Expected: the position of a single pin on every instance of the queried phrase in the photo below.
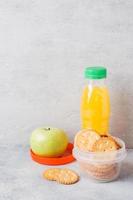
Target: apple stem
(47, 129)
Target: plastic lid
(67, 157)
(97, 72)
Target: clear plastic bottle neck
(97, 82)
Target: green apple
(49, 142)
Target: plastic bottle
(95, 101)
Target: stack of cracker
(63, 176)
(89, 141)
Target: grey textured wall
(44, 47)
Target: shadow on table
(127, 171)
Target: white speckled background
(44, 47)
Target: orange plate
(64, 159)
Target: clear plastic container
(101, 166)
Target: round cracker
(67, 177)
(99, 168)
(85, 139)
(104, 172)
(107, 175)
(105, 144)
(112, 138)
(51, 174)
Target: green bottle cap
(97, 72)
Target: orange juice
(95, 102)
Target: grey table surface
(21, 178)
